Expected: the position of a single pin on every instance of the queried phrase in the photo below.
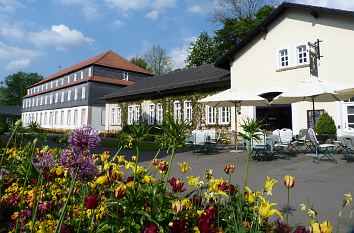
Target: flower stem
(338, 220)
(136, 165)
(62, 215)
(82, 207)
(7, 145)
(169, 166)
(287, 208)
(247, 164)
(37, 201)
(157, 153)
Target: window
(210, 115)
(68, 78)
(46, 100)
(119, 116)
(125, 76)
(83, 116)
(56, 97)
(151, 116)
(62, 81)
(130, 115)
(32, 102)
(51, 84)
(75, 77)
(46, 86)
(41, 118)
(89, 71)
(37, 100)
(62, 97)
(45, 118)
(302, 55)
(75, 116)
(41, 102)
(284, 59)
(24, 104)
(188, 111)
(56, 83)
(137, 113)
(55, 117)
(68, 117)
(69, 95)
(51, 99)
(114, 119)
(81, 74)
(177, 111)
(62, 117)
(83, 92)
(75, 93)
(51, 118)
(224, 115)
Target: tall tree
(202, 51)
(15, 87)
(157, 60)
(140, 61)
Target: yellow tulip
(324, 227)
(192, 180)
(148, 180)
(184, 167)
(348, 199)
(312, 213)
(268, 186)
(102, 180)
(289, 181)
(303, 207)
(265, 210)
(251, 196)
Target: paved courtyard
(322, 184)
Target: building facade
(174, 94)
(71, 97)
(275, 57)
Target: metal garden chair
(321, 150)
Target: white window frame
(83, 116)
(177, 111)
(75, 77)
(90, 71)
(62, 117)
(76, 116)
(283, 53)
(188, 110)
(114, 116)
(46, 100)
(224, 115)
(130, 114)
(51, 99)
(68, 78)
(81, 74)
(119, 116)
(151, 115)
(137, 113)
(75, 93)
(41, 101)
(210, 115)
(69, 95)
(62, 97)
(68, 117)
(125, 76)
(302, 57)
(50, 118)
(56, 97)
(159, 114)
(83, 92)
(56, 117)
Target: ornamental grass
(46, 189)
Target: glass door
(348, 114)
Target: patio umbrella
(234, 98)
(311, 90)
(348, 90)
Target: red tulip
(92, 201)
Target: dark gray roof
(193, 79)
(262, 28)
(10, 110)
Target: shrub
(325, 124)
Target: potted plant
(326, 128)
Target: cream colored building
(274, 58)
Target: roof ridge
(100, 58)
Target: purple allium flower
(84, 138)
(87, 171)
(43, 162)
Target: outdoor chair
(205, 141)
(198, 140)
(259, 148)
(286, 146)
(345, 146)
(321, 150)
(303, 143)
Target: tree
(236, 29)
(15, 87)
(157, 60)
(202, 51)
(140, 61)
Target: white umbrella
(346, 90)
(311, 90)
(234, 98)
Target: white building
(274, 57)
(71, 97)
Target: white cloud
(10, 30)
(153, 15)
(195, 9)
(179, 55)
(340, 4)
(59, 36)
(118, 23)
(88, 7)
(15, 57)
(18, 64)
(10, 6)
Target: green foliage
(325, 124)
(15, 87)
(140, 61)
(251, 128)
(202, 51)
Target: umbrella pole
(313, 114)
(235, 126)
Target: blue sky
(41, 35)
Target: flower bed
(51, 190)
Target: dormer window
(75, 77)
(302, 55)
(125, 76)
(283, 58)
(89, 71)
(82, 74)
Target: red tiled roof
(79, 81)
(108, 58)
